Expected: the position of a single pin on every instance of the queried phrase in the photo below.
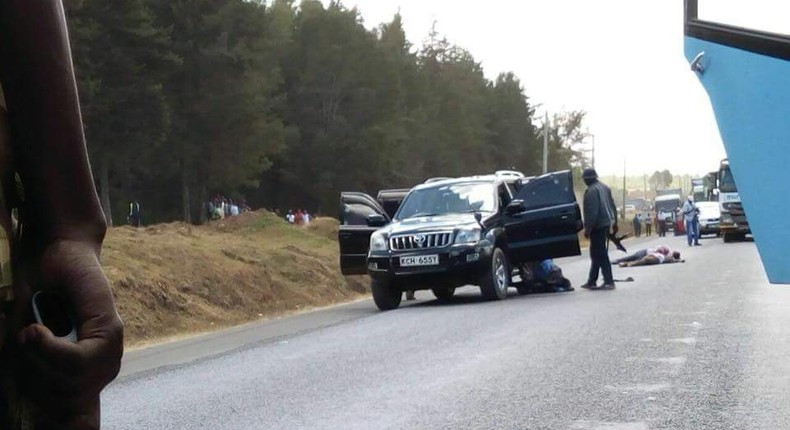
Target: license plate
(420, 260)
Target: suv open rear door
(354, 232)
(548, 222)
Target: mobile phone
(52, 311)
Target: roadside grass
(177, 279)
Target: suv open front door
(354, 232)
(390, 200)
(548, 224)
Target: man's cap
(589, 173)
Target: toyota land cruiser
(449, 233)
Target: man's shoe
(607, 287)
(589, 286)
(697, 244)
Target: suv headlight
(378, 242)
(469, 235)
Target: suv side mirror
(515, 207)
(376, 220)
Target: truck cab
(666, 212)
(453, 232)
(733, 224)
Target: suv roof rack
(432, 180)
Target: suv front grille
(411, 242)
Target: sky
(621, 61)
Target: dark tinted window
(549, 190)
(356, 214)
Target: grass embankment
(176, 279)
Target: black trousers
(638, 255)
(600, 258)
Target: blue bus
(746, 73)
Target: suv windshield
(446, 199)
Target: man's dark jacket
(599, 208)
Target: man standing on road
(600, 215)
(691, 214)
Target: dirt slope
(177, 279)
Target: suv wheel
(385, 296)
(443, 293)
(496, 280)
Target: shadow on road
(471, 298)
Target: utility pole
(624, 192)
(546, 144)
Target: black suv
(448, 233)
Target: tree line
(284, 105)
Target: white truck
(734, 225)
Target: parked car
(455, 232)
(709, 218)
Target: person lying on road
(642, 253)
(655, 258)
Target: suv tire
(443, 293)
(385, 296)
(496, 279)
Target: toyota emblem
(419, 240)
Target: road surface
(700, 345)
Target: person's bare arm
(46, 127)
(63, 222)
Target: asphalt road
(700, 345)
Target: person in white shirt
(642, 253)
(655, 258)
(691, 216)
